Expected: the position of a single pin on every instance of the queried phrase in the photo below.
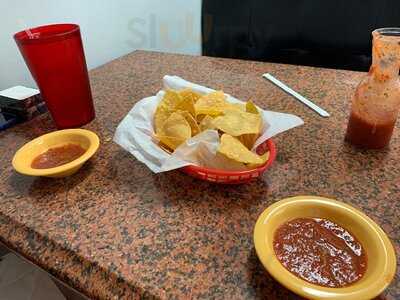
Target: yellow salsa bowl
(381, 264)
(23, 158)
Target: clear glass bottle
(376, 102)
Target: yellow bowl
(24, 156)
(381, 266)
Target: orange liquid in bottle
(364, 134)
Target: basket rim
(271, 147)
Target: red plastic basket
(232, 177)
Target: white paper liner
(136, 131)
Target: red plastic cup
(54, 55)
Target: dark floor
(68, 293)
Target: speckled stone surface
(116, 230)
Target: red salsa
(368, 135)
(57, 156)
(320, 252)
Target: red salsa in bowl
(57, 156)
(320, 252)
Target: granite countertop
(116, 230)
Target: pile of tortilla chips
(181, 115)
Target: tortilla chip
(232, 148)
(212, 104)
(164, 109)
(237, 123)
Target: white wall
(110, 29)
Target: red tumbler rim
(56, 32)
